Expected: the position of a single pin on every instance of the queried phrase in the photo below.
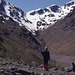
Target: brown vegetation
(16, 42)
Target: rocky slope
(15, 68)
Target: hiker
(73, 67)
(46, 57)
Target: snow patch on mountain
(43, 18)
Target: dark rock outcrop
(54, 8)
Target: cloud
(73, 0)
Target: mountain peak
(54, 8)
(15, 13)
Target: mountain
(37, 19)
(43, 18)
(15, 13)
(16, 42)
(21, 25)
(60, 38)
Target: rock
(24, 72)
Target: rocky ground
(21, 68)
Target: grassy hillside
(16, 42)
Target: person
(46, 56)
(73, 67)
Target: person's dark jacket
(45, 54)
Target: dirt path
(63, 59)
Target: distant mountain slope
(43, 18)
(60, 38)
(16, 42)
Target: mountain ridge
(43, 18)
(38, 19)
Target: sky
(29, 5)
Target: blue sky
(28, 5)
